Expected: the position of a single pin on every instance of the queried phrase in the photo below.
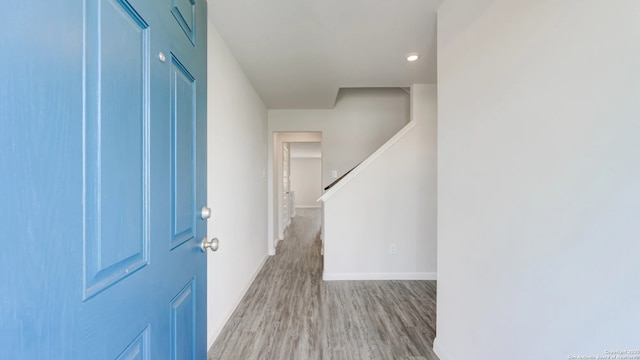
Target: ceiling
(298, 53)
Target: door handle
(205, 213)
(212, 244)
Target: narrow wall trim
(380, 276)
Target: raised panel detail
(116, 144)
(138, 349)
(184, 11)
(183, 323)
(183, 162)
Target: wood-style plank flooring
(290, 313)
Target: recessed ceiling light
(413, 56)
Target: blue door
(102, 178)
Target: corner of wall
(437, 348)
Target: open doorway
(296, 171)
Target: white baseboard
(275, 246)
(227, 316)
(380, 276)
(308, 206)
(438, 350)
(272, 250)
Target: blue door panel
(183, 323)
(138, 349)
(183, 165)
(117, 184)
(184, 12)
(102, 174)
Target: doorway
(304, 145)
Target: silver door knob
(205, 213)
(209, 244)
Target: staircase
(380, 218)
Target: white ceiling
(298, 53)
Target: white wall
(538, 178)
(237, 154)
(362, 120)
(390, 199)
(306, 181)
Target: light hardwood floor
(290, 313)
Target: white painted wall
(538, 178)
(306, 181)
(237, 147)
(390, 199)
(362, 120)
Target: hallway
(290, 313)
